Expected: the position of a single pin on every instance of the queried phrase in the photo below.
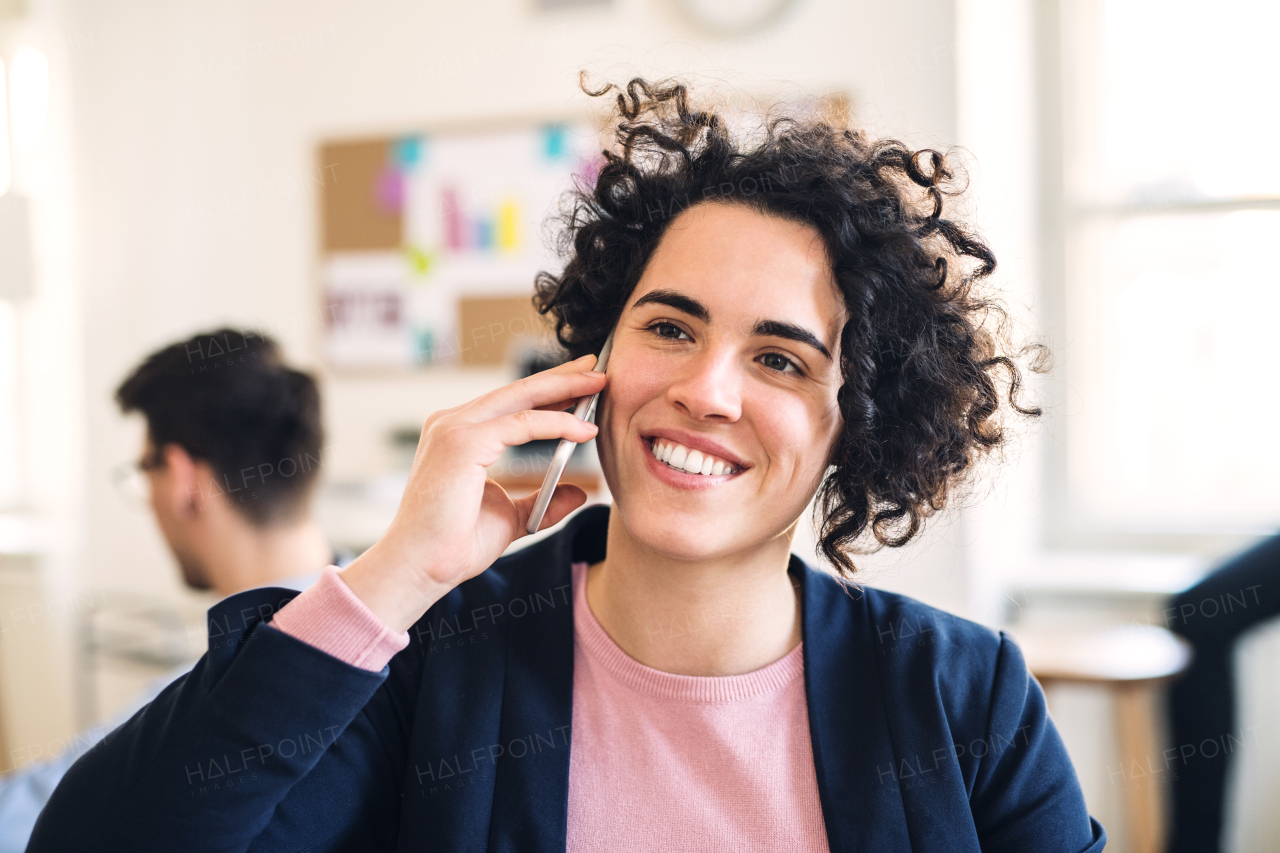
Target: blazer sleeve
(265, 737)
(1026, 795)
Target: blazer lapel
(531, 798)
(448, 790)
(852, 751)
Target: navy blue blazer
(928, 732)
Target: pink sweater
(677, 763)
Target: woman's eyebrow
(762, 328)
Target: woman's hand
(453, 521)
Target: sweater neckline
(705, 689)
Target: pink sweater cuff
(331, 617)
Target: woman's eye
(659, 327)
(779, 362)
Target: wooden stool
(1130, 661)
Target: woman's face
(729, 345)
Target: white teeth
(690, 461)
(678, 456)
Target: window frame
(1065, 527)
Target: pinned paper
(458, 217)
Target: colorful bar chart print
(470, 218)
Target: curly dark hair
(922, 350)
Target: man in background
(231, 458)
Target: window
(1162, 213)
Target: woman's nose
(709, 387)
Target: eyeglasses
(130, 479)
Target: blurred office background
(168, 166)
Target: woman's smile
(677, 468)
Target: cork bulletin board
(429, 242)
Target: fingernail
(595, 373)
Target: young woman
(792, 315)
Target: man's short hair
(227, 398)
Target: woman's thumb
(565, 500)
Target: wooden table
(1131, 662)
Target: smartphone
(584, 411)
